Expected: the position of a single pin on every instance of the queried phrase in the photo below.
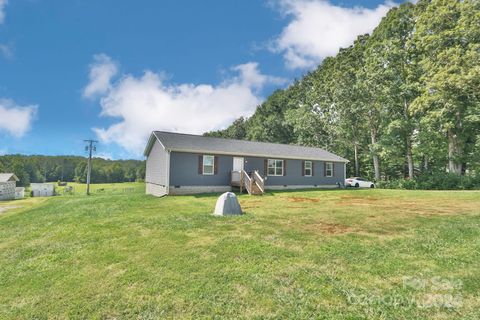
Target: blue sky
(115, 70)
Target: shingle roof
(5, 177)
(201, 144)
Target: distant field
(125, 187)
(376, 254)
(98, 188)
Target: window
(208, 165)
(307, 169)
(275, 167)
(329, 169)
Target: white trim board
(320, 186)
(197, 189)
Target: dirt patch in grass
(301, 199)
(424, 207)
(351, 200)
(329, 228)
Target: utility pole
(90, 148)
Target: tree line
(401, 102)
(71, 169)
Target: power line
(90, 147)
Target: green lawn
(311, 254)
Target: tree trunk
(425, 163)
(408, 140)
(454, 153)
(409, 156)
(376, 160)
(357, 164)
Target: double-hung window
(307, 169)
(329, 169)
(275, 167)
(208, 165)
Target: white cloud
(104, 155)
(102, 70)
(15, 119)
(249, 76)
(318, 29)
(3, 3)
(146, 103)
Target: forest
(71, 169)
(402, 103)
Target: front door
(238, 163)
(237, 167)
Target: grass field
(101, 188)
(376, 254)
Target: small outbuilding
(42, 189)
(19, 192)
(8, 182)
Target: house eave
(341, 160)
(150, 143)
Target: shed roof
(6, 177)
(200, 144)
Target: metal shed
(42, 189)
(8, 182)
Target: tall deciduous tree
(448, 36)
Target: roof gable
(200, 144)
(6, 177)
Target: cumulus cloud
(15, 119)
(318, 29)
(146, 103)
(3, 3)
(102, 70)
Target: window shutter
(200, 164)
(333, 169)
(303, 167)
(284, 167)
(265, 167)
(215, 165)
(324, 169)
(313, 165)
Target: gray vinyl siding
(184, 172)
(156, 171)
(294, 173)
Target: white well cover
(227, 204)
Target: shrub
(439, 181)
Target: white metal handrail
(259, 180)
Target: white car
(358, 182)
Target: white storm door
(237, 167)
(238, 163)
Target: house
(42, 189)
(8, 182)
(189, 164)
